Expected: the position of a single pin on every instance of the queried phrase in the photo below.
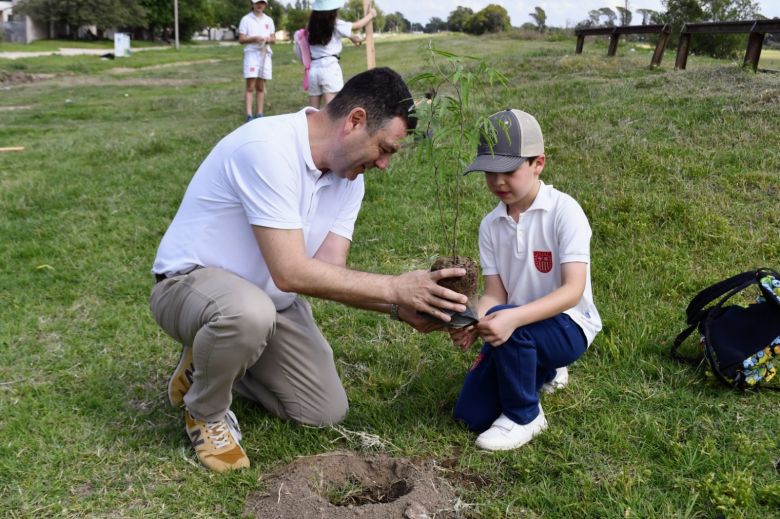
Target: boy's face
(518, 188)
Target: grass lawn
(677, 171)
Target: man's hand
(418, 290)
(419, 322)
(497, 327)
(464, 337)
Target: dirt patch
(17, 77)
(128, 70)
(346, 485)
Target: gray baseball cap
(518, 138)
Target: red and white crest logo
(543, 261)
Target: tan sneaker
(181, 380)
(216, 443)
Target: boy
(536, 313)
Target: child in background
(256, 32)
(536, 314)
(325, 33)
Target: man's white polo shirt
(527, 255)
(260, 174)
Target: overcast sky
(560, 13)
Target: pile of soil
(345, 485)
(466, 285)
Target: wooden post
(613, 43)
(753, 52)
(370, 54)
(580, 43)
(660, 47)
(682, 50)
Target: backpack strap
(695, 311)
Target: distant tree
(435, 25)
(493, 18)
(193, 16)
(456, 21)
(540, 17)
(396, 22)
(295, 18)
(104, 14)
(679, 12)
(647, 15)
(624, 15)
(609, 14)
(353, 11)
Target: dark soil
(346, 485)
(466, 285)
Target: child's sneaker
(216, 443)
(181, 380)
(249, 117)
(505, 434)
(559, 381)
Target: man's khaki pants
(241, 342)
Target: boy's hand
(497, 327)
(463, 338)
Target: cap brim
(494, 164)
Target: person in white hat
(325, 33)
(256, 33)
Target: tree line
(153, 19)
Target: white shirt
(324, 54)
(260, 174)
(527, 255)
(252, 25)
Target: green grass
(677, 172)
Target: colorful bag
(740, 343)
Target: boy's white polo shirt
(527, 255)
(260, 174)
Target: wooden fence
(756, 29)
(614, 33)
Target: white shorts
(257, 65)
(326, 78)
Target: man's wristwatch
(394, 312)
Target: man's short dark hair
(381, 92)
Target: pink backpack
(302, 52)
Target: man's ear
(356, 119)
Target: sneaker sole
(181, 370)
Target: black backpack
(741, 343)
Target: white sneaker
(558, 382)
(505, 434)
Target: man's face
(362, 151)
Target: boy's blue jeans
(507, 379)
